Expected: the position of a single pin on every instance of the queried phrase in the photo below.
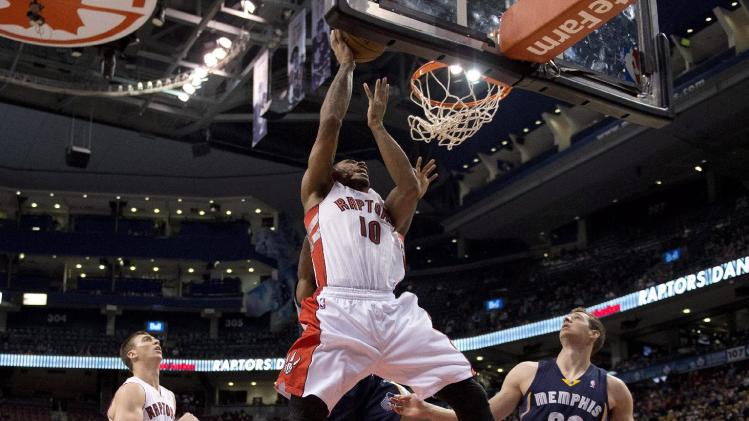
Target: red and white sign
(73, 23)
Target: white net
(451, 119)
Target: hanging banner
(59, 23)
(320, 46)
(259, 98)
(296, 58)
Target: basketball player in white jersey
(354, 324)
(562, 389)
(141, 397)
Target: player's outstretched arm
(620, 400)
(424, 176)
(127, 404)
(503, 404)
(401, 202)
(306, 284)
(317, 179)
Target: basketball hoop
(452, 113)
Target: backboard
(621, 70)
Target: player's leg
(329, 358)
(468, 399)
(426, 360)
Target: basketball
(363, 49)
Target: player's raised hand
(341, 50)
(378, 101)
(424, 175)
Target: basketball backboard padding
(540, 30)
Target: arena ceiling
(143, 144)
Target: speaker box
(77, 156)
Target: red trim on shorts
(302, 350)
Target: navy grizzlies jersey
(551, 397)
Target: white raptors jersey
(160, 404)
(353, 241)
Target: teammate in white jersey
(354, 324)
(141, 397)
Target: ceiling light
(479, 358)
(707, 320)
(538, 122)
(155, 268)
(201, 213)
(258, 210)
(557, 110)
(475, 160)
(21, 256)
(500, 370)
(56, 206)
(18, 192)
(708, 19)
(525, 130)
(248, 6)
(147, 198)
(211, 201)
(251, 270)
(465, 166)
(224, 42)
(78, 265)
(690, 30)
(686, 311)
(87, 258)
(117, 197)
(33, 204)
(159, 17)
(210, 60)
(473, 75)
(102, 267)
(190, 270)
(132, 268)
(85, 196)
(698, 168)
(456, 69)
(454, 240)
(230, 384)
(505, 142)
(183, 97)
(228, 270)
(253, 383)
(83, 275)
(658, 182)
(493, 149)
(179, 199)
(615, 201)
(734, 4)
(51, 195)
(133, 210)
(418, 247)
(220, 53)
(243, 200)
(156, 210)
(429, 260)
(36, 229)
(228, 212)
(188, 88)
(179, 211)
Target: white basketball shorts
(353, 333)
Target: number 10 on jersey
(370, 230)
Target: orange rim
(504, 89)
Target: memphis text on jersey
(159, 408)
(566, 398)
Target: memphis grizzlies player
(568, 388)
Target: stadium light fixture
(479, 358)
(190, 270)
(248, 6)
(707, 320)
(686, 311)
(179, 211)
(456, 69)
(210, 60)
(33, 204)
(253, 383)
(698, 168)
(224, 42)
(258, 210)
(183, 97)
(220, 53)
